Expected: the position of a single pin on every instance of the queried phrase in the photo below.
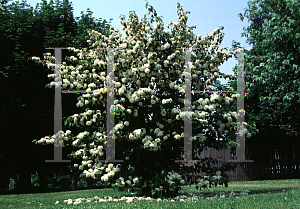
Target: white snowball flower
(146, 145)
(111, 165)
(210, 107)
(160, 133)
(156, 130)
(163, 113)
(229, 119)
(177, 136)
(222, 125)
(131, 136)
(171, 85)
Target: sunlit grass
(259, 194)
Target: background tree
(26, 107)
(272, 73)
(272, 66)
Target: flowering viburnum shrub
(149, 146)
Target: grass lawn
(261, 194)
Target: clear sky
(206, 14)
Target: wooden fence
(281, 163)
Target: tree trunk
(89, 182)
(4, 183)
(74, 182)
(24, 181)
(43, 184)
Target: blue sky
(206, 14)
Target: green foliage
(60, 181)
(272, 79)
(82, 183)
(35, 179)
(26, 106)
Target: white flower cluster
(173, 178)
(141, 94)
(88, 118)
(180, 198)
(119, 126)
(167, 101)
(200, 137)
(65, 137)
(207, 180)
(149, 143)
(152, 55)
(121, 182)
(137, 134)
(203, 182)
(110, 172)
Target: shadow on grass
(252, 191)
